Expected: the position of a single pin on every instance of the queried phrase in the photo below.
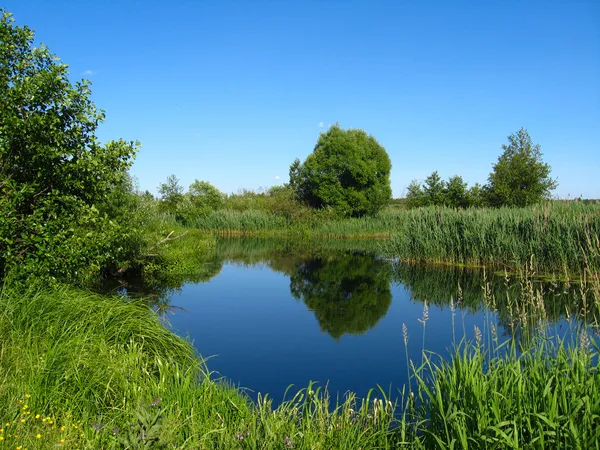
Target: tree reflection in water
(348, 294)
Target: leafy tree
(348, 171)
(477, 196)
(415, 196)
(520, 177)
(456, 193)
(54, 175)
(434, 189)
(438, 192)
(205, 197)
(171, 193)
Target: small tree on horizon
(520, 177)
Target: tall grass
(548, 237)
(79, 369)
(544, 398)
(87, 371)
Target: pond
(269, 317)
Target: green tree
(415, 196)
(171, 193)
(434, 190)
(348, 171)
(456, 193)
(55, 176)
(205, 197)
(520, 177)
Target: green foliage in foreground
(55, 178)
(98, 372)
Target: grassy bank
(550, 237)
(86, 371)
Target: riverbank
(89, 371)
(548, 238)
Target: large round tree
(348, 171)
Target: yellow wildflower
(37, 436)
(27, 396)
(22, 420)
(62, 428)
(37, 416)
(62, 441)
(1, 438)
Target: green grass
(546, 238)
(551, 237)
(76, 367)
(84, 360)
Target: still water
(268, 320)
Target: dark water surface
(270, 319)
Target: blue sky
(233, 91)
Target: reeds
(547, 238)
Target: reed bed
(552, 237)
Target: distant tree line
(519, 178)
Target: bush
(348, 171)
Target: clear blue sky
(233, 91)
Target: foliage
(205, 197)
(55, 176)
(171, 194)
(437, 192)
(348, 171)
(520, 177)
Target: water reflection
(521, 305)
(347, 294)
(277, 313)
(347, 286)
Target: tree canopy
(348, 171)
(55, 176)
(520, 177)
